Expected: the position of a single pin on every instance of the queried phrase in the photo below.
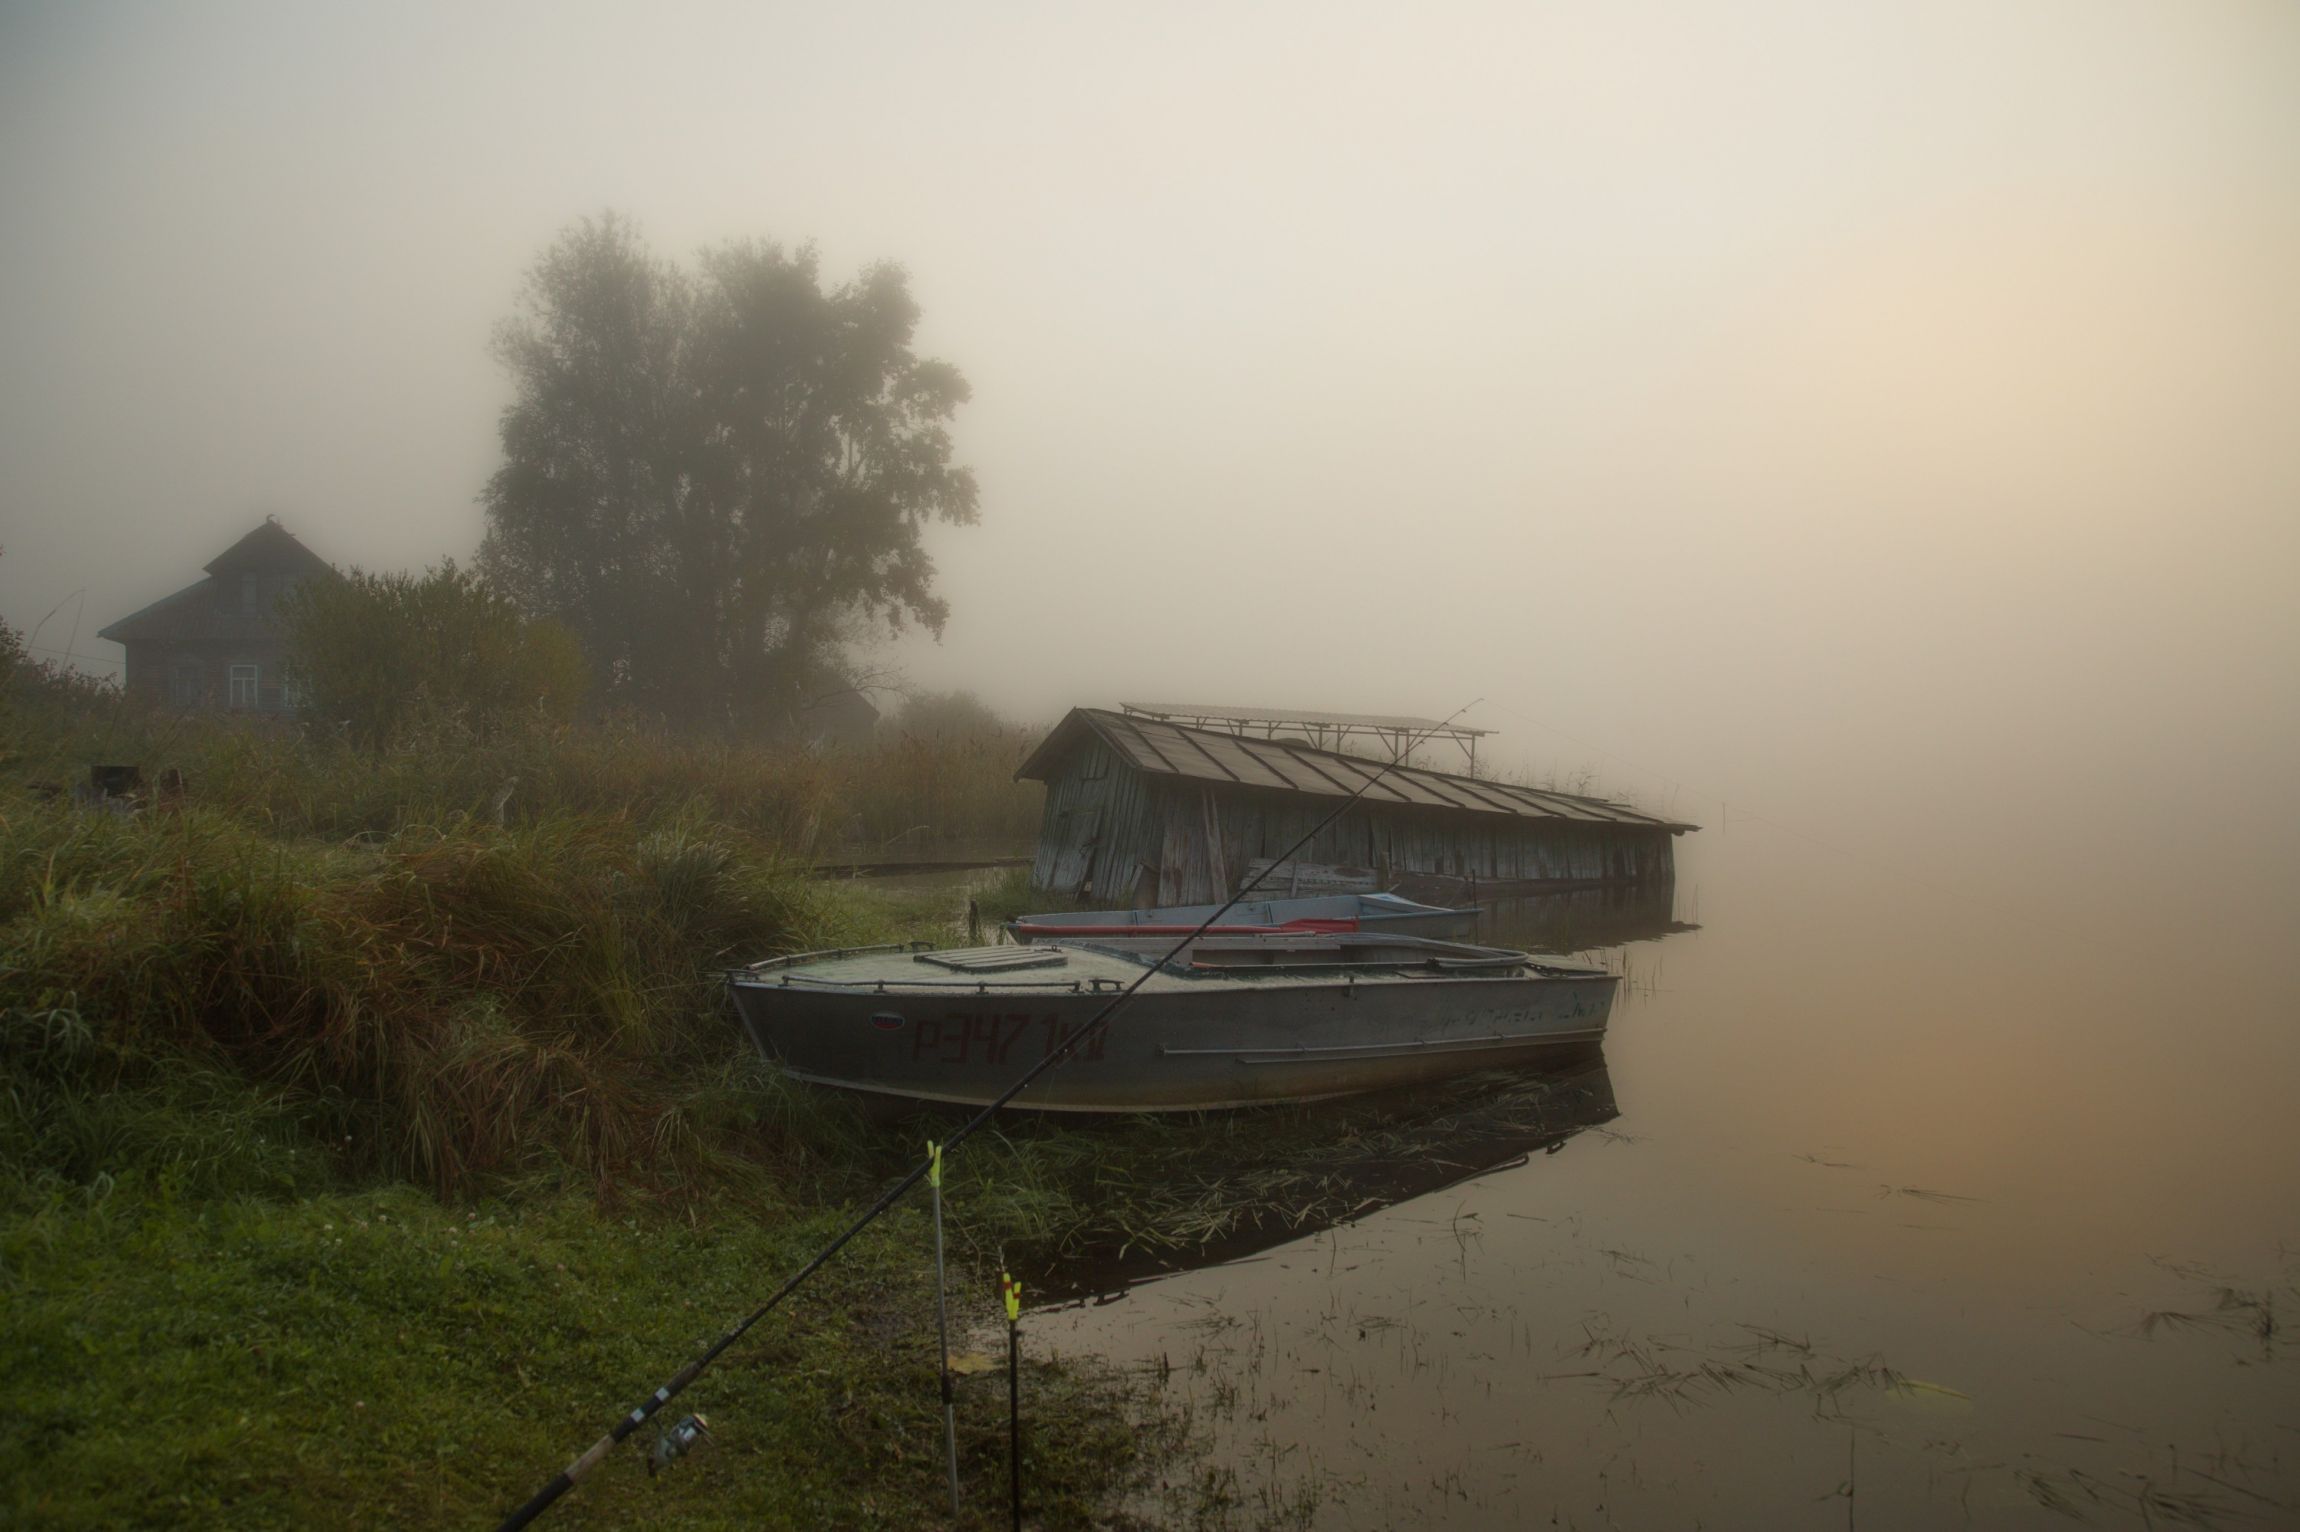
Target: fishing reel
(675, 1442)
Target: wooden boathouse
(1147, 810)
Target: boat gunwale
(1322, 976)
(1086, 986)
(826, 955)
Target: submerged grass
(2225, 1308)
(1678, 1374)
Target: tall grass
(296, 779)
(458, 959)
(939, 787)
(453, 1003)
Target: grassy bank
(364, 1182)
(370, 1138)
(372, 1357)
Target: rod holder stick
(942, 1328)
(1011, 1291)
(1014, 1420)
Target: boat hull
(1173, 1049)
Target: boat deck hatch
(995, 959)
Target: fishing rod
(567, 1478)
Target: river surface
(1897, 1204)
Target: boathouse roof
(1156, 747)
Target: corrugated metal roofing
(1210, 755)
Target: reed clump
(453, 1004)
(940, 786)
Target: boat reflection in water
(1581, 920)
(1247, 1186)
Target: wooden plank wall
(1112, 835)
(1097, 836)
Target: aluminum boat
(1227, 1021)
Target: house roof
(1158, 748)
(269, 547)
(121, 629)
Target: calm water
(1923, 1206)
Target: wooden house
(843, 716)
(1145, 811)
(215, 646)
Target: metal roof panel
(1218, 756)
(1279, 715)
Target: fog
(1873, 422)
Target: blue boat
(1330, 912)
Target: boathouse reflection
(1581, 920)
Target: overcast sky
(1812, 405)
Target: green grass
(1010, 895)
(373, 1358)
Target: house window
(1095, 767)
(251, 587)
(244, 685)
(185, 686)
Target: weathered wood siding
(1113, 834)
(1097, 834)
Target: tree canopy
(381, 653)
(718, 478)
(953, 715)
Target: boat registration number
(993, 1037)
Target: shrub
(454, 1005)
(386, 654)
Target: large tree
(717, 477)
